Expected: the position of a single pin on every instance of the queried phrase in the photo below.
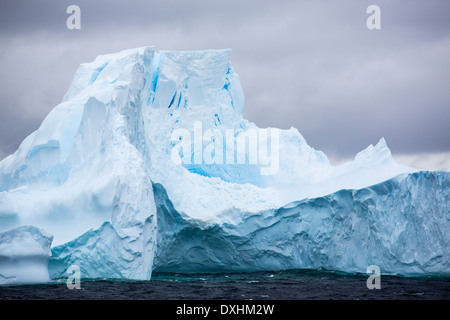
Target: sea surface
(285, 285)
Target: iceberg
(148, 164)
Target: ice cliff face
(126, 174)
(390, 224)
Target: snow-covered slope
(141, 118)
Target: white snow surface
(88, 171)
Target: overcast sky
(313, 65)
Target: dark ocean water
(286, 285)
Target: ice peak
(107, 69)
(379, 152)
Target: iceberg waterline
(99, 176)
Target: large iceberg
(148, 164)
